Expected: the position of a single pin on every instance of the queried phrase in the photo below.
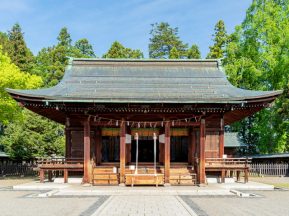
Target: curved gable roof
(144, 81)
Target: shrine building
(164, 118)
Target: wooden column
(86, 152)
(202, 174)
(221, 138)
(98, 146)
(190, 147)
(167, 152)
(67, 142)
(122, 153)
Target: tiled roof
(144, 81)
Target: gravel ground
(8, 182)
(271, 203)
(276, 181)
(15, 203)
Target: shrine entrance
(145, 150)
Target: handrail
(227, 162)
(59, 160)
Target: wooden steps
(180, 175)
(105, 176)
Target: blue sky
(128, 21)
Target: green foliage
(257, 57)
(12, 77)
(163, 39)
(194, 52)
(64, 38)
(5, 43)
(51, 62)
(17, 49)
(117, 50)
(33, 136)
(84, 47)
(174, 53)
(220, 40)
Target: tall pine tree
(163, 39)
(117, 50)
(194, 52)
(220, 40)
(84, 47)
(18, 51)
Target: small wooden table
(144, 179)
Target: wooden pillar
(65, 175)
(190, 147)
(42, 175)
(221, 138)
(122, 153)
(167, 152)
(86, 152)
(67, 142)
(202, 174)
(98, 146)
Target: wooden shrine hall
(144, 121)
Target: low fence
(17, 170)
(271, 169)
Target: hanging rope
(144, 124)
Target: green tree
(220, 40)
(18, 51)
(257, 57)
(174, 53)
(84, 47)
(64, 38)
(51, 62)
(163, 39)
(5, 43)
(12, 77)
(33, 136)
(117, 50)
(194, 52)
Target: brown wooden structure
(103, 103)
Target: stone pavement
(144, 205)
(74, 199)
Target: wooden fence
(271, 169)
(17, 170)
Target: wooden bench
(224, 165)
(58, 164)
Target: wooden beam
(221, 138)
(167, 152)
(122, 153)
(202, 174)
(86, 152)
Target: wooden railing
(228, 162)
(11, 169)
(270, 169)
(47, 162)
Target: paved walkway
(144, 205)
(74, 199)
